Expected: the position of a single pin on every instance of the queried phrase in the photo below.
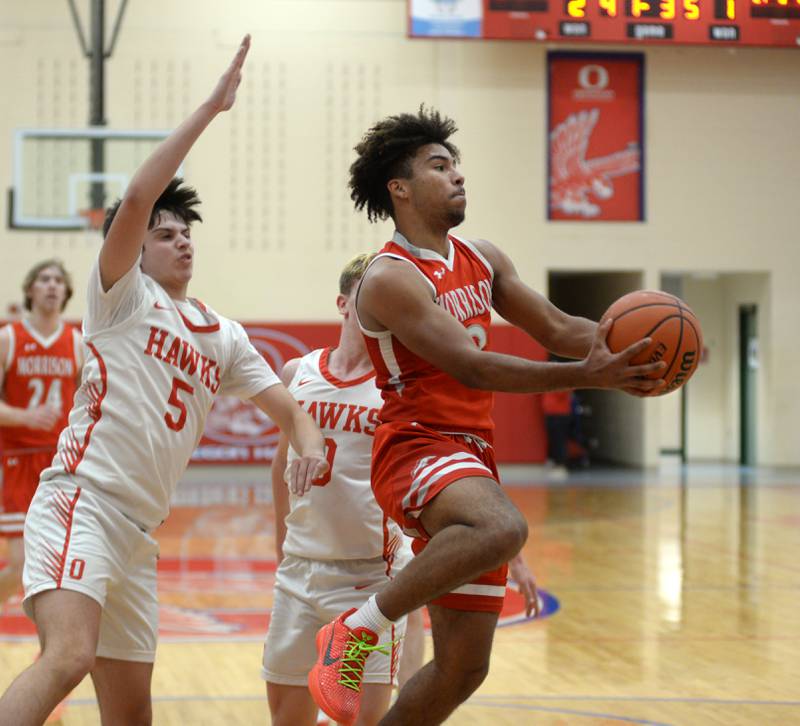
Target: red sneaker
(335, 679)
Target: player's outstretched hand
(614, 370)
(223, 96)
(526, 584)
(42, 418)
(303, 472)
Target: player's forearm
(304, 436)
(11, 415)
(569, 336)
(572, 338)
(160, 167)
(280, 502)
(507, 373)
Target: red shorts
(411, 464)
(20, 479)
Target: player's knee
(507, 536)
(466, 680)
(69, 666)
(518, 532)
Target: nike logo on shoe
(326, 659)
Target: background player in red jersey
(40, 364)
(424, 306)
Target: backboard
(64, 178)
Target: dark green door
(748, 367)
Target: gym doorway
(613, 423)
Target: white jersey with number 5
(153, 368)
(339, 518)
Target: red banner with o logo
(595, 137)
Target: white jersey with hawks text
(153, 368)
(339, 518)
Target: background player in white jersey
(155, 361)
(40, 365)
(334, 545)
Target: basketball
(672, 326)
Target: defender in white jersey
(329, 562)
(155, 361)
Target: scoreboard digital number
(767, 23)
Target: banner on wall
(443, 18)
(595, 136)
(236, 431)
(239, 433)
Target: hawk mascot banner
(595, 137)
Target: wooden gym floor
(672, 598)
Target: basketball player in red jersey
(327, 564)
(424, 307)
(40, 364)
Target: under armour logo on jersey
(438, 274)
(29, 347)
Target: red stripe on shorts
(70, 515)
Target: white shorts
(76, 541)
(309, 594)
(404, 554)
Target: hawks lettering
(354, 414)
(184, 356)
(329, 416)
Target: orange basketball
(672, 326)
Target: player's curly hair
(385, 153)
(33, 273)
(178, 198)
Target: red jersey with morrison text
(40, 371)
(412, 388)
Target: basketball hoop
(94, 218)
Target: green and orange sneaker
(335, 679)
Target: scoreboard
(765, 23)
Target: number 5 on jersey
(176, 424)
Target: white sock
(369, 616)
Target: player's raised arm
(123, 242)
(302, 433)
(399, 300)
(567, 335)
